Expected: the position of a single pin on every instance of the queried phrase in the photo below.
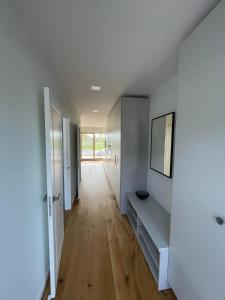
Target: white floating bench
(151, 224)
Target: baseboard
(42, 289)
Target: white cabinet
(113, 147)
(126, 160)
(151, 224)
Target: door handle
(45, 198)
(219, 220)
(56, 198)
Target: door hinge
(49, 207)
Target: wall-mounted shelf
(151, 224)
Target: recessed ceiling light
(96, 88)
(95, 111)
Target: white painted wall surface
(197, 245)
(23, 215)
(163, 101)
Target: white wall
(23, 218)
(197, 242)
(163, 101)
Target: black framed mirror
(162, 136)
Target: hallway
(101, 258)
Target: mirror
(162, 130)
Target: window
(87, 146)
(92, 145)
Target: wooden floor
(101, 258)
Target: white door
(78, 163)
(67, 163)
(54, 169)
(197, 238)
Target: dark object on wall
(142, 195)
(162, 132)
(219, 220)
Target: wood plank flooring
(101, 258)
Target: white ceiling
(125, 46)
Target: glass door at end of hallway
(92, 146)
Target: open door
(67, 164)
(71, 165)
(78, 163)
(54, 170)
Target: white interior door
(54, 169)
(197, 237)
(67, 163)
(78, 163)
